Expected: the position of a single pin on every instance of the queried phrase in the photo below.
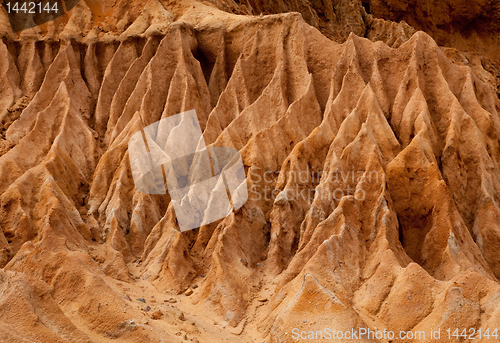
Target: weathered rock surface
(373, 169)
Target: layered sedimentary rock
(467, 25)
(467, 30)
(373, 173)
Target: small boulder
(157, 315)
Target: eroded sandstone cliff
(373, 165)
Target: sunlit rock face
(372, 164)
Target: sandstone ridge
(374, 172)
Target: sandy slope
(374, 170)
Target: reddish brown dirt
(382, 210)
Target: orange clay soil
(373, 165)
